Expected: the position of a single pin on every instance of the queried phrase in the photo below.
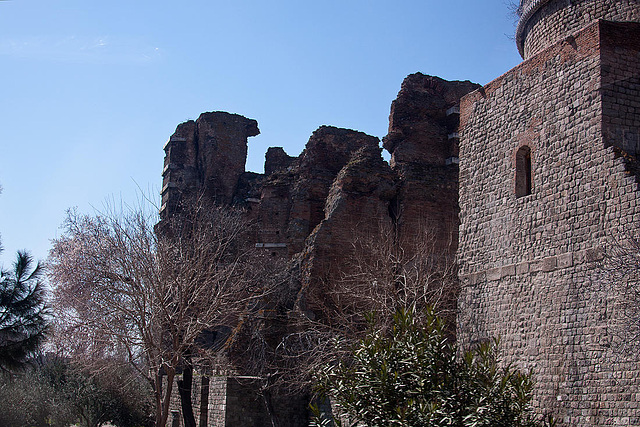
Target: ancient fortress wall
(312, 209)
(207, 156)
(529, 265)
(545, 22)
(548, 184)
(621, 87)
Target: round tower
(544, 22)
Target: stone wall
(236, 401)
(328, 150)
(217, 401)
(546, 22)
(530, 255)
(620, 52)
(529, 265)
(356, 208)
(311, 209)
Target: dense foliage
(410, 375)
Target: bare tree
(515, 8)
(158, 298)
(382, 274)
(388, 271)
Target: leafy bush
(411, 376)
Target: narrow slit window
(524, 181)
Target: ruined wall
(273, 202)
(529, 257)
(294, 192)
(217, 401)
(243, 405)
(328, 150)
(206, 156)
(313, 207)
(276, 160)
(423, 143)
(356, 208)
(236, 401)
(293, 197)
(528, 264)
(412, 197)
(545, 22)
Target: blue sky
(91, 90)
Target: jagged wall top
(544, 22)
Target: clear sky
(91, 90)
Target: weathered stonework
(236, 401)
(208, 156)
(329, 149)
(530, 178)
(310, 208)
(423, 142)
(276, 160)
(357, 205)
(529, 264)
(545, 22)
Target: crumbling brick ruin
(528, 178)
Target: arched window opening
(523, 172)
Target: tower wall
(545, 22)
(530, 266)
(621, 87)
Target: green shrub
(411, 376)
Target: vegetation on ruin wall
(384, 272)
(410, 375)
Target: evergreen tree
(23, 313)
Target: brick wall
(423, 144)
(556, 19)
(217, 401)
(528, 264)
(206, 156)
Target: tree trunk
(184, 389)
(163, 402)
(204, 402)
(157, 391)
(266, 397)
